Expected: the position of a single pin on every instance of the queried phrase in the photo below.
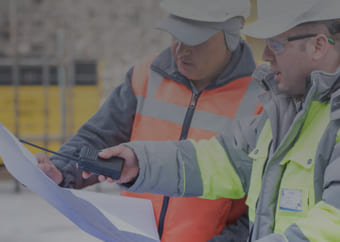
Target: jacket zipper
(184, 133)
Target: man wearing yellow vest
(287, 160)
(191, 90)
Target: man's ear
(319, 47)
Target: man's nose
(267, 55)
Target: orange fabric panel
(172, 92)
(224, 100)
(139, 87)
(149, 128)
(200, 218)
(140, 76)
(193, 219)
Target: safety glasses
(277, 46)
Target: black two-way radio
(88, 160)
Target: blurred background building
(116, 32)
(60, 59)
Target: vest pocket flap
(258, 153)
(305, 162)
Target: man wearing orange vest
(190, 90)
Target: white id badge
(291, 200)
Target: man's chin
(283, 88)
(186, 72)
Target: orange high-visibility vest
(162, 107)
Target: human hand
(49, 168)
(130, 168)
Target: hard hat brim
(188, 31)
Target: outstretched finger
(112, 151)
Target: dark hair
(333, 27)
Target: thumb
(118, 150)
(130, 168)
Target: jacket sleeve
(109, 126)
(323, 220)
(215, 168)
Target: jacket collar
(323, 85)
(282, 110)
(320, 86)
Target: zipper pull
(193, 100)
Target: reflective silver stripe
(294, 233)
(210, 121)
(247, 105)
(155, 80)
(190, 170)
(161, 110)
(202, 120)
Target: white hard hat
(195, 21)
(278, 16)
(192, 32)
(207, 10)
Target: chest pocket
(296, 194)
(259, 156)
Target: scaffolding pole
(46, 84)
(62, 82)
(15, 69)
